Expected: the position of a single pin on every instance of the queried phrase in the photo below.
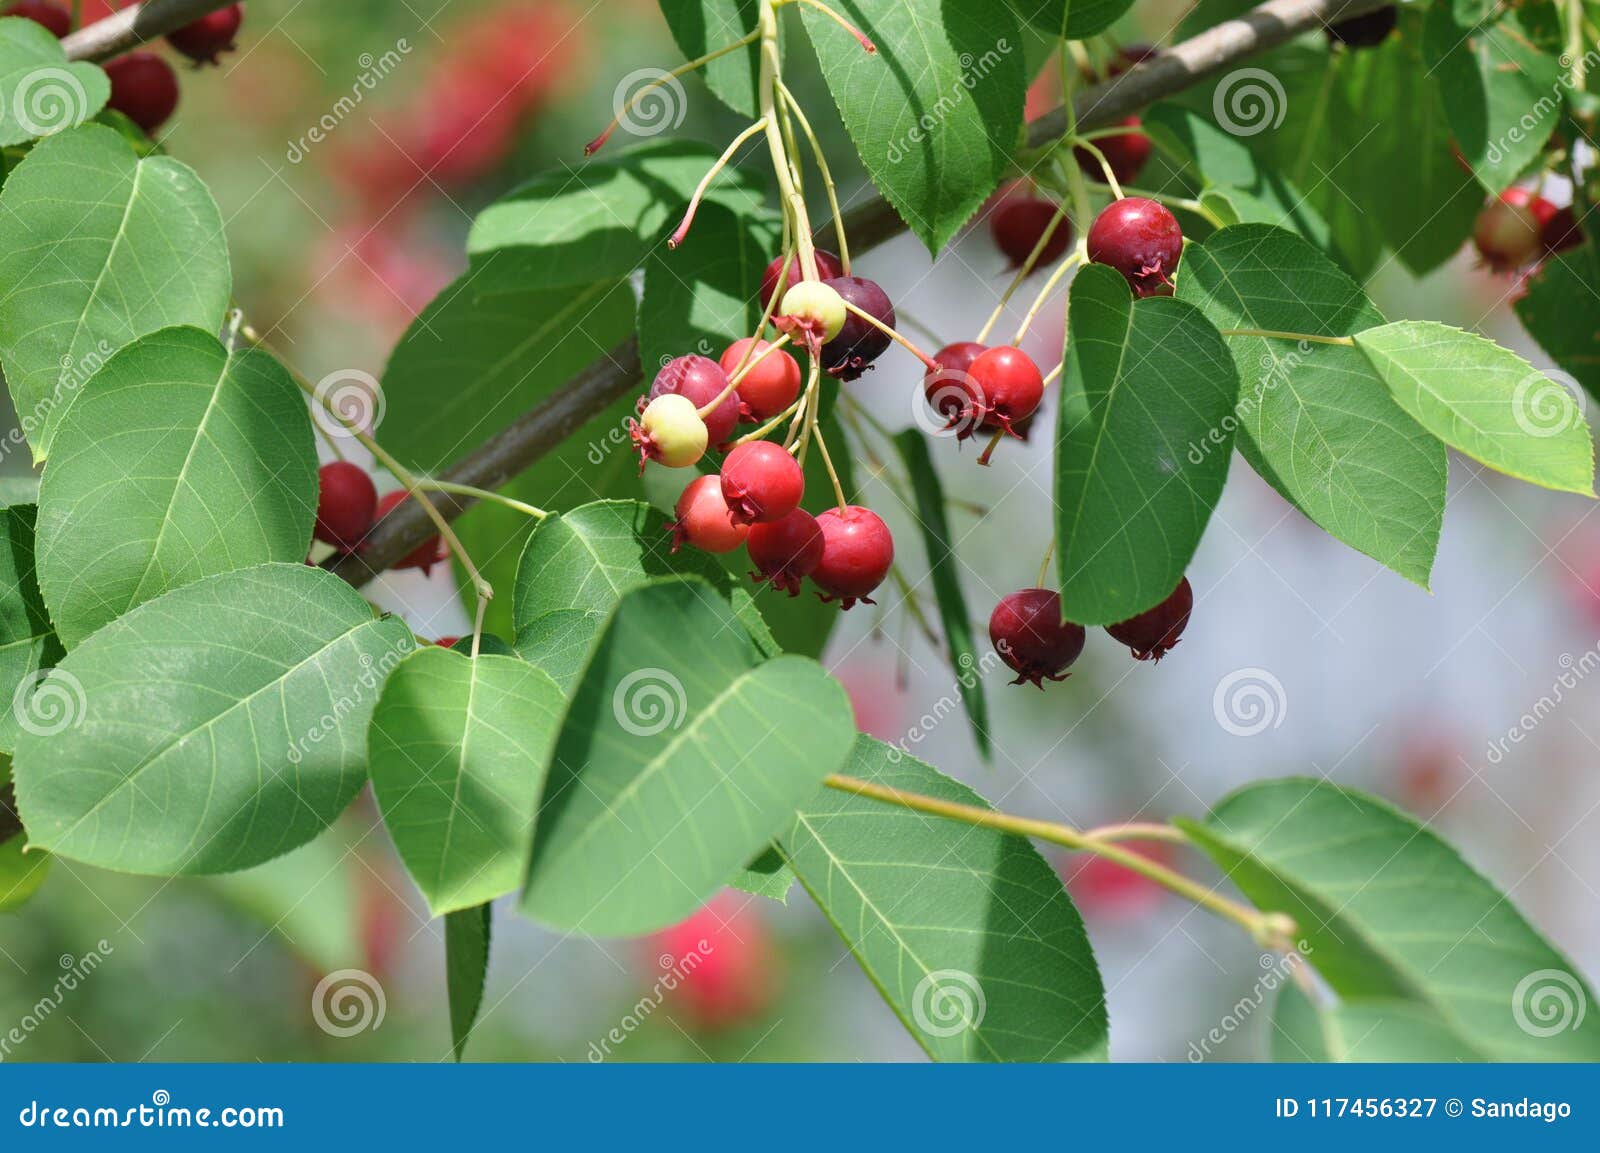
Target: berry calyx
(1006, 388)
(771, 383)
(1020, 220)
(1141, 240)
(703, 519)
(205, 39)
(1365, 31)
(1152, 634)
(761, 483)
(828, 267)
(857, 551)
(54, 17)
(811, 312)
(669, 431)
(859, 342)
(144, 88)
(347, 504)
(1126, 152)
(1027, 631)
(949, 387)
(1507, 231)
(427, 554)
(1561, 232)
(701, 380)
(786, 551)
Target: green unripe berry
(817, 303)
(677, 435)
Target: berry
(813, 312)
(761, 483)
(859, 342)
(52, 16)
(949, 388)
(724, 962)
(1018, 223)
(1126, 152)
(1027, 631)
(447, 642)
(703, 519)
(1364, 31)
(347, 504)
(205, 39)
(1141, 240)
(828, 267)
(427, 554)
(1005, 388)
(1508, 229)
(702, 380)
(786, 551)
(144, 88)
(669, 431)
(1561, 232)
(1151, 634)
(1129, 55)
(770, 385)
(1103, 888)
(857, 551)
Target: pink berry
(702, 380)
(703, 519)
(1508, 231)
(949, 388)
(205, 39)
(1151, 634)
(725, 964)
(828, 267)
(1103, 888)
(857, 551)
(761, 483)
(427, 554)
(770, 385)
(786, 551)
(1141, 240)
(347, 504)
(52, 16)
(1006, 388)
(144, 88)
(1020, 220)
(1027, 631)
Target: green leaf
(966, 932)
(1145, 383)
(42, 94)
(1561, 311)
(680, 759)
(701, 27)
(458, 751)
(1381, 1030)
(211, 729)
(767, 876)
(1485, 401)
(935, 112)
(1501, 93)
(177, 461)
(1387, 910)
(504, 341)
(28, 642)
(596, 222)
(1074, 19)
(21, 873)
(1314, 419)
(466, 966)
(953, 612)
(559, 643)
(98, 248)
(488, 645)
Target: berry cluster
(348, 506)
(1519, 228)
(1027, 630)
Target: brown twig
(134, 25)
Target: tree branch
(134, 25)
(603, 382)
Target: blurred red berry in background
(1107, 890)
(720, 964)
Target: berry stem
(1022, 274)
(805, 419)
(1055, 279)
(598, 142)
(827, 463)
(1274, 334)
(793, 105)
(794, 204)
(1138, 831)
(1050, 377)
(1262, 926)
(762, 432)
(745, 365)
(705, 181)
(988, 449)
(483, 494)
(892, 335)
(1044, 565)
(861, 37)
(1105, 166)
(1183, 202)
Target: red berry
(1005, 388)
(1129, 55)
(761, 483)
(1507, 231)
(1104, 888)
(859, 342)
(1027, 631)
(447, 642)
(205, 39)
(1020, 220)
(347, 504)
(857, 550)
(1141, 240)
(1365, 31)
(828, 267)
(723, 961)
(144, 88)
(1151, 634)
(770, 385)
(1126, 152)
(949, 388)
(427, 554)
(54, 17)
(786, 551)
(703, 519)
(701, 380)
(1561, 232)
